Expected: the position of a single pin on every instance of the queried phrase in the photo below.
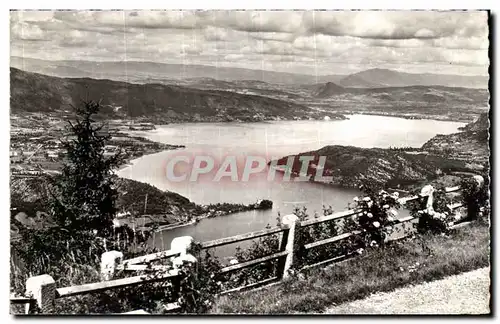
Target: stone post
(43, 289)
(181, 244)
(292, 223)
(109, 263)
(428, 191)
(480, 181)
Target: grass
(422, 259)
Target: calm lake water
(269, 140)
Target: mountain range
(379, 78)
(150, 72)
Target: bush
(200, 282)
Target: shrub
(475, 197)
(200, 282)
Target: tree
(84, 196)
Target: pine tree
(84, 197)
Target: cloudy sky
(312, 42)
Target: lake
(269, 140)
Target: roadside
(425, 258)
(467, 293)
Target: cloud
(253, 21)
(396, 24)
(149, 19)
(75, 38)
(217, 34)
(190, 49)
(27, 32)
(324, 40)
(425, 33)
(274, 36)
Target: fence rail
(242, 237)
(41, 290)
(117, 283)
(255, 261)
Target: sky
(309, 42)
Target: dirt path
(467, 293)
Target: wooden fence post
(287, 244)
(109, 262)
(43, 289)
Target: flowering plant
(377, 214)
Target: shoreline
(443, 118)
(202, 212)
(174, 226)
(346, 114)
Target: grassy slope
(376, 271)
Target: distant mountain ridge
(151, 72)
(380, 78)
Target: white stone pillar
(43, 289)
(480, 181)
(109, 263)
(428, 191)
(181, 244)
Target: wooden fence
(42, 291)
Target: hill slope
(431, 94)
(32, 92)
(471, 144)
(350, 166)
(329, 89)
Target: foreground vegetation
(419, 259)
